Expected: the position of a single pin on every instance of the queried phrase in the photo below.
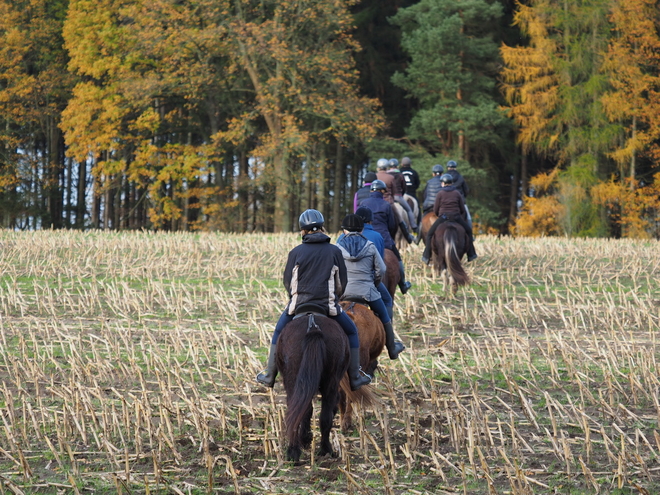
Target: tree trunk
(339, 185)
(81, 205)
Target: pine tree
(452, 73)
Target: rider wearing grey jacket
(365, 268)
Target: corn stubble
(127, 364)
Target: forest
(236, 115)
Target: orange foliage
(633, 209)
(541, 213)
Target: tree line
(235, 115)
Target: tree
(297, 54)
(452, 73)
(554, 88)
(34, 88)
(632, 65)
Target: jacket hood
(315, 237)
(449, 188)
(354, 244)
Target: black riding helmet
(378, 185)
(447, 179)
(364, 213)
(352, 223)
(311, 220)
(438, 169)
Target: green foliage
(452, 73)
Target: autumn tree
(34, 88)
(554, 87)
(632, 66)
(298, 56)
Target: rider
(365, 268)
(433, 185)
(460, 185)
(399, 188)
(315, 278)
(381, 174)
(449, 206)
(459, 182)
(373, 236)
(385, 224)
(365, 190)
(390, 190)
(410, 175)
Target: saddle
(310, 309)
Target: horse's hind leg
(328, 403)
(306, 434)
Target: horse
(427, 221)
(401, 216)
(372, 341)
(449, 244)
(312, 356)
(392, 276)
(414, 205)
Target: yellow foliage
(539, 217)
(631, 208)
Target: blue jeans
(342, 318)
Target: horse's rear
(312, 356)
(449, 246)
(372, 341)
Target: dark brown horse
(449, 245)
(392, 275)
(372, 340)
(312, 356)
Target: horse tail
(364, 396)
(308, 379)
(454, 265)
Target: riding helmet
(447, 179)
(405, 161)
(352, 223)
(394, 163)
(369, 177)
(438, 169)
(382, 163)
(311, 220)
(378, 185)
(451, 164)
(364, 213)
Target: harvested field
(127, 364)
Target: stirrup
(265, 379)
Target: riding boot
(267, 377)
(426, 256)
(394, 347)
(403, 285)
(411, 219)
(390, 311)
(356, 376)
(406, 234)
(471, 253)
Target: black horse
(449, 245)
(312, 356)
